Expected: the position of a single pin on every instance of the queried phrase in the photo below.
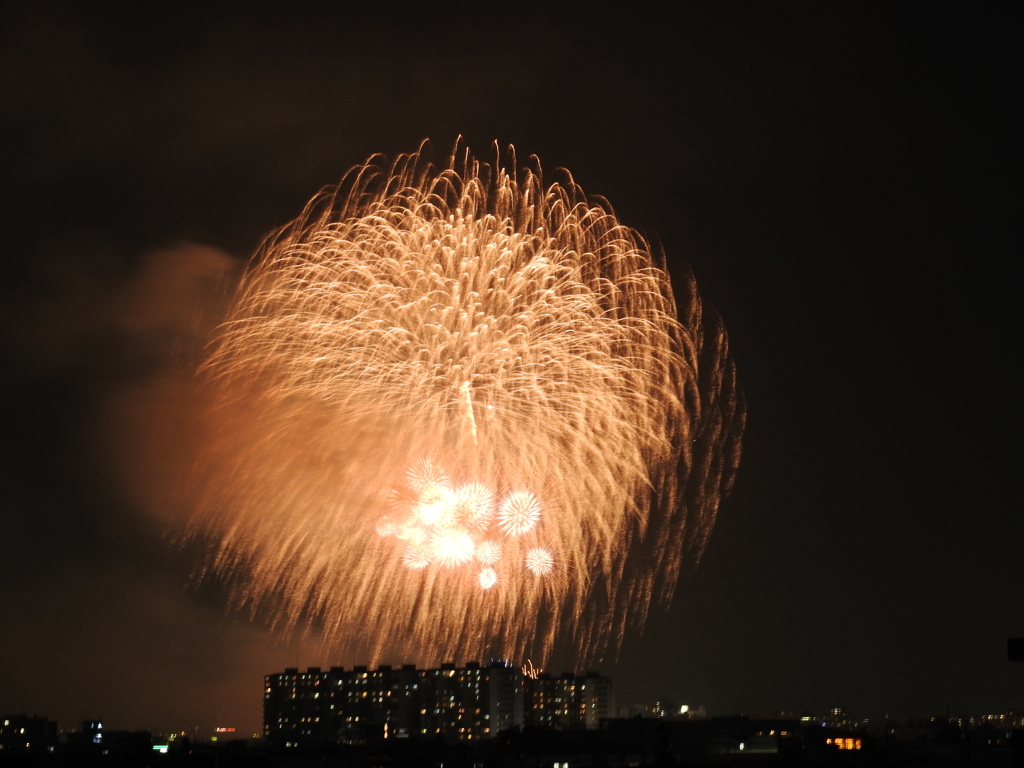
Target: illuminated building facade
(457, 703)
(470, 702)
(569, 701)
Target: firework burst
(459, 412)
(539, 561)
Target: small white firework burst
(488, 578)
(452, 548)
(474, 505)
(416, 557)
(519, 512)
(428, 480)
(539, 561)
(430, 514)
(488, 552)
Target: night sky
(841, 178)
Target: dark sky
(841, 177)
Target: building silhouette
(454, 703)
(21, 733)
(569, 701)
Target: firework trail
(459, 413)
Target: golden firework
(449, 402)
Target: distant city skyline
(361, 715)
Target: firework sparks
(434, 380)
(488, 578)
(539, 561)
(519, 513)
(488, 552)
(453, 548)
(474, 506)
(416, 557)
